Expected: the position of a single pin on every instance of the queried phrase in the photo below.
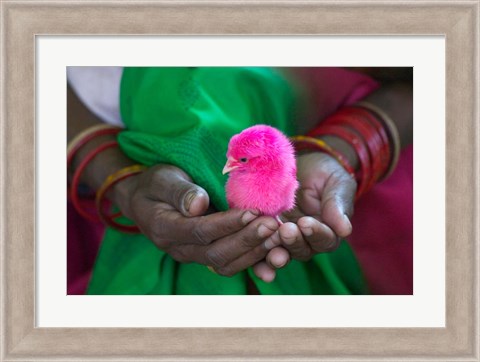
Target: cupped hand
(173, 213)
(322, 214)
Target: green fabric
(185, 117)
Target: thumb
(176, 188)
(190, 199)
(337, 206)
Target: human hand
(321, 217)
(172, 212)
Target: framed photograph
(439, 320)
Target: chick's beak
(231, 164)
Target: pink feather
(262, 166)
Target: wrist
(122, 192)
(87, 143)
(311, 144)
(103, 165)
(103, 208)
(343, 148)
(95, 159)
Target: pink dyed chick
(263, 172)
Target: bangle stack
(391, 130)
(73, 148)
(78, 173)
(369, 131)
(86, 136)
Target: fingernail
(263, 231)
(307, 231)
(189, 198)
(268, 277)
(279, 261)
(307, 222)
(269, 244)
(347, 220)
(248, 216)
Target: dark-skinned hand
(324, 206)
(173, 213)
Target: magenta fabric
(84, 239)
(332, 88)
(383, 220)
(383, 231)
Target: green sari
(185, 117)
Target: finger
(292, 239)
(278, 257)
(264, 272)
(319, 236)
(175, 187)
(172, 226)
(187, 253)
(337, 204)
(338, 221)
(243, 262)
(229, 248)
(273, 241)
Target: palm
(324, 204)
(324, 185)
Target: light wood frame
(21, 21)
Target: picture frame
(23, 20)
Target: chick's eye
(243, 159)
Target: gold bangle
(116, 176)
(391, 130)
(107, 184)
(87, 132)
(326, 148)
